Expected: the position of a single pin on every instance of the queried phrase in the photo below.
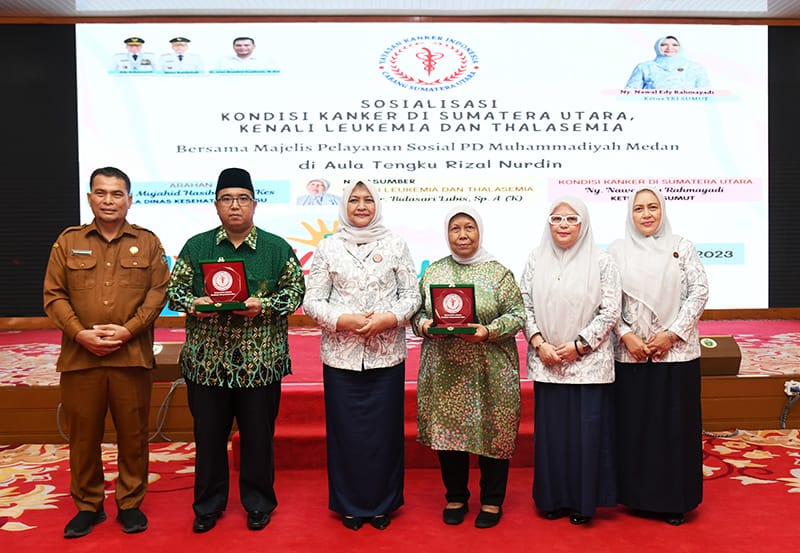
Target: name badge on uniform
(81, 252)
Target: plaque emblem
(222, 280)
(452, 303)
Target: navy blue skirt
(574, 447)
(365, 439)
(659, 433)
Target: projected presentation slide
(504, 116)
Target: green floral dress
(468, 393)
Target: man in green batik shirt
(233, 361)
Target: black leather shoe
(577, 518)
(675, 519)
(485, 519)
(204, 523)
(555, 514)
(82, 523)
(455, 515)
(133, 520)
(380, 522)
(256, 520)
(353, 523)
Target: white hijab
(480, 255)
(374, 231)
(649, 264)
(566, 282)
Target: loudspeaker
(719, 356)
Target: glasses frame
(243, 200)
(557, 220)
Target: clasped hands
(366, 324)
(103, 339)
(655, 348)
(552, 354)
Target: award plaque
(226, 284)
(453, 309)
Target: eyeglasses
(242, 200)
(571, 220)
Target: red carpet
(752, 497)
(752, 491)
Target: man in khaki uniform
(104, 287)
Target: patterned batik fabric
(231, 350)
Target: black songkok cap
(233, 177)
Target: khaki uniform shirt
(93, 281)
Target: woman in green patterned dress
(468, 390)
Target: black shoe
(577, 518)
(675, 519)
(82, 523)
(257, 520)
(133, 520)
(353, 523)
(485, 519)
(555, 514)
(204, 523)
(380, 522)
(455, 515)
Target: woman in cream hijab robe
(571, 291)
(658, 364)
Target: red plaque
(226, 284)
(453, 309)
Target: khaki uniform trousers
(86, 396)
